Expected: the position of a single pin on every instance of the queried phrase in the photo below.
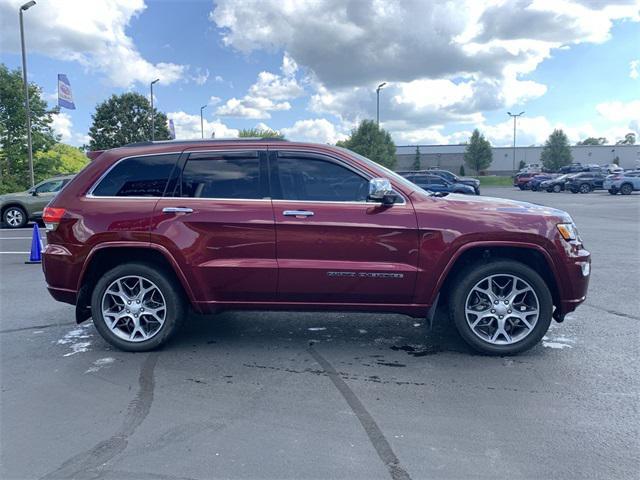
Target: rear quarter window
(137, 177)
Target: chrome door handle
(177, 210)
(297, 213)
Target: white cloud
(63, 125)
(318, 130)
(620, 111)
(267, 94)
(213, 100)
(200, 77)
(91, 33)
(634, 69)
(188, 127)
(445, 61)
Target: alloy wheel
(14, 217)
(134, 308)
(502, 309)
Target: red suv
(147, 230)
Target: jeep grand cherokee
(148, 230)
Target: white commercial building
(451, 157)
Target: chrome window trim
(342, 163)
(90, 194)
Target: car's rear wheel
(501, 308)
(613, 191)
(626, 189)
(137, 307)
(14, 217)
(557, 188)
(585, 188)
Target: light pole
(153, 117)
(201, 122)
(24, 8)
(515, 116)
(378, 102)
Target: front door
(219, 224)
(333, 245)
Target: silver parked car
(625, 182)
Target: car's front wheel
(626, 189)
(502, 307)
(137, 307)
(14, 217)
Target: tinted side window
(232, 175)
(312, 179)
(137, 177)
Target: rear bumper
(63, 295)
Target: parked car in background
(586, 182)
(625, 182)
(452, 177)
(575, 167)
(531, 168)
(436, 183)
(148, 231)
(17, 209)
(556, 184)
(521, 180)
(535, 182)
(612, 168)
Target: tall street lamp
(153, 117)
(24, 8)
(515, 116)
(201, 122)
(378, 102)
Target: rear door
(333, 245)
(218, 223)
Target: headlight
(568, 231)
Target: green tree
(260, 133)
(60, 159)
(416, 160)
(629, 139)
(461, 171)
(521, 165)
(617, 160)
(478, 154)
(372, 142)
(593, 141)
(556, 152)
(14, 161)
(125, 119)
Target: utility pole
(153, 117)
(378, 102)
(24, 8)
(201, 122)
(515, 116)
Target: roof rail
(209, 140)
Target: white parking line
(20, 238)
(15, 253)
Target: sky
(310, 68)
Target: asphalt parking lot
(320, 395)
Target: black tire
(521, 187)
(612, 191)
(626, 189)
(585, 188)
(550, 190)
(173, 296)
(573, 190)
(473, 274)
(557, 188)
(13, 214)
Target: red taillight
(51, 217)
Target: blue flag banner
(65, 97)
(172, 130)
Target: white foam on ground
(316, 329)
(76, 340)
(100, 363)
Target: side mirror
(34, 192)
(380, 191)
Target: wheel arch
(106, 256)
(531, 255)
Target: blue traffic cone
(36, 246)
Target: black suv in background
(452, 177)
(586, 182)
